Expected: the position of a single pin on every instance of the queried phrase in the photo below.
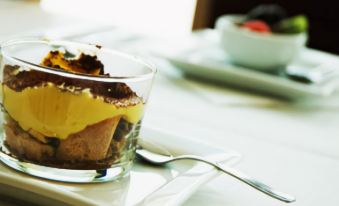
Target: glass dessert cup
(73, 125)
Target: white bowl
(262, 51)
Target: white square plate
(203, 59)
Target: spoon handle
(244, 178)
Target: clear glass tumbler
(69, 126)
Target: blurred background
(177, 17)
(166, 26)
(322, 15)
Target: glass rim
(23, 40)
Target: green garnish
(293, 25)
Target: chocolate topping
(112, 92)
(85, 63)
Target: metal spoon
(160, 159)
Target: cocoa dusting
(112, 92)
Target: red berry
(257, 25)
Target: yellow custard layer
(56, 113)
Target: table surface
(291, 146)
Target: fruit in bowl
(265, 39)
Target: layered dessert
(66, 122)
